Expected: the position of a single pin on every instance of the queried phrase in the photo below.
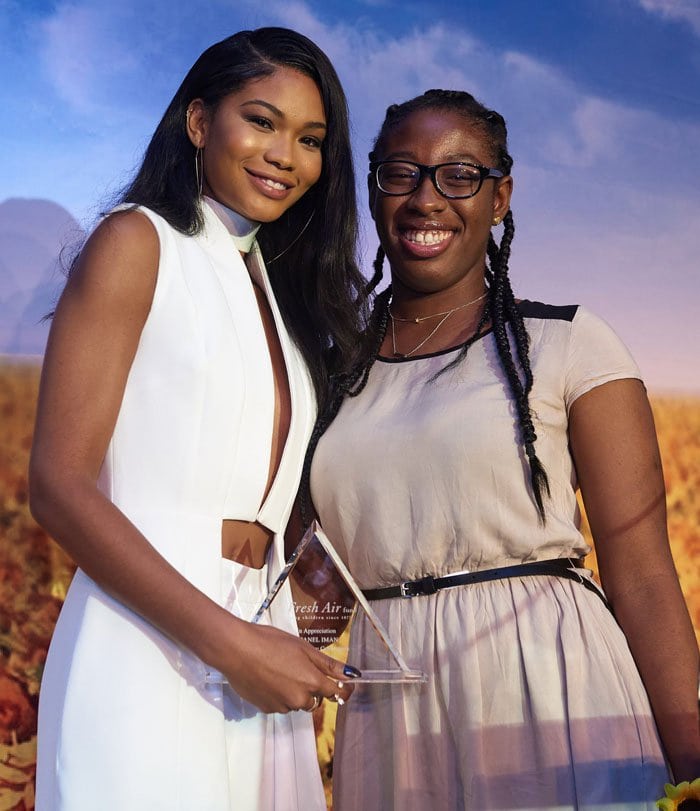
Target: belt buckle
(418, 588)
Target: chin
(269, 213)
(422, 286)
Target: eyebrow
(310, 125)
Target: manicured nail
(351, 672)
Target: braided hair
(501, 307)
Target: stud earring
(496, 221)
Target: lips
(432, 237)
(425, 242)
(270, 186)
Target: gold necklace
(445, 315)
(420, 318)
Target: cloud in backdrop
(602, 98)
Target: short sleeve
(596, 355)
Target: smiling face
(435, 244)
(262, 144)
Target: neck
(412, 304)
(241, 229)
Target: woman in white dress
(178, 392)
(447, 479)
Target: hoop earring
(293, 242)
(199, 170)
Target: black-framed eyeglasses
(453, 180)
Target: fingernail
(340, 685)
(351, 672)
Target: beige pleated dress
(533, 700)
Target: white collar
(241, 229)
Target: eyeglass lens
(454, 179)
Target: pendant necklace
(417, 320)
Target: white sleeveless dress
(125, 719)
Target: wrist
(219, 640)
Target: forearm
(613, 441)
(652, 613)
(272, 669)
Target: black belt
(560, 567)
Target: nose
(426, 198)
(280, 152)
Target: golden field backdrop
(34, 572)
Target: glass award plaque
(329, 606)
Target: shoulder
(128, 232)
(119, 261)
(574, 320)
(536, 310)
(595, 355)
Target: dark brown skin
(614, 445)
(611, 429)
(426, 286)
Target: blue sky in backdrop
(602, 99)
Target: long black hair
(318, 286)
(501, 308)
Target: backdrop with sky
(602, 99)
